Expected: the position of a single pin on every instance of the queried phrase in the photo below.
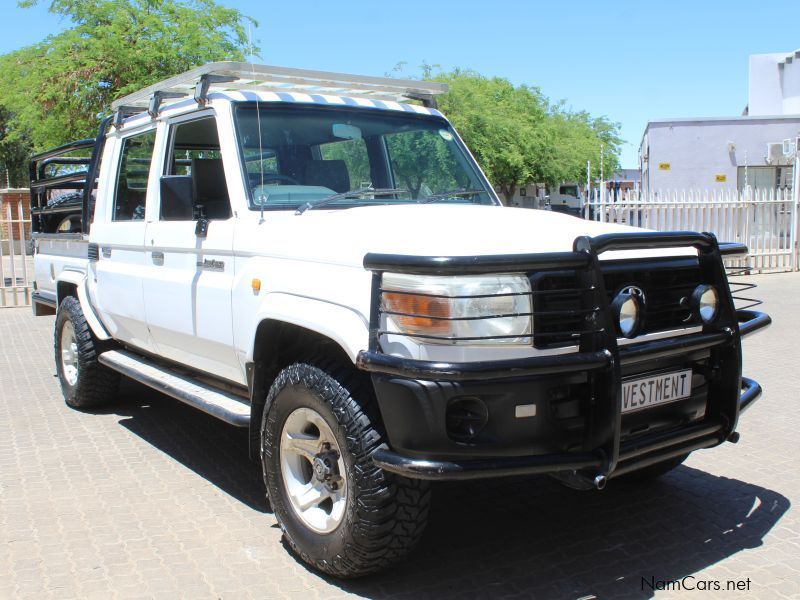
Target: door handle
(158, 258)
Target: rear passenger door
(118, 230)
(188, 270)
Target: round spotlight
(705, 303)
(465, 418)
(627, 307)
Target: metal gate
(765, 220)
(16, 265)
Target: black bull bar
(598, 355)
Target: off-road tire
(96, 384)
(653, 471)
(385, 514)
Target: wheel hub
(313, 470)
(69, 353)
(326, 468)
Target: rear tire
(361, 519)
(653, 471)
(85, 383)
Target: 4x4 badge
(209, 264)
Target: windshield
(569, 190)
(343, 157)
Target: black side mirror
(201, 229)
(177, 198)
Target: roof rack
(231, 76)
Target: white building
(754, 149)
(774, 84)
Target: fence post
(23, 252)
(795, 200)
(11, 250)
(3, 297)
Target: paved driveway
(152, 499)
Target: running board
(181, 387)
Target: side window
(134, 167)
(194, 164)
(268, 165)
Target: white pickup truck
(317, 257)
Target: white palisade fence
(16, 270)
(764, 220)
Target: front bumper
(633, 455)
(596, 440)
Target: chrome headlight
(467, 310)
(705, 303)
(628, 308)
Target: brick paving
(150, 499)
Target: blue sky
(630, 61)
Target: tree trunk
(508, 192)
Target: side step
(181, 387)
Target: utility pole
(602, 181)
(588, 180)
(746, 183)
(795, 201)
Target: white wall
(698, 151)
(791, 87)
(533, 196)
(765, 96)
(774, 88)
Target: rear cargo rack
(234, 76)
(80, 178)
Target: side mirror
(177, 198)
(201, 229)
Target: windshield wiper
(351, 194)
(451, 194)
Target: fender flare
(78, 280)
(341, 324)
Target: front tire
(85, 383)
(340, 513)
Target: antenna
(261, 197)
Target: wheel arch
(73, 283)
(282, 339)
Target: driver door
(189, 253)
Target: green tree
(576, 138)
(14, 153)
(517, 135)
(504, 126)
(58, 89)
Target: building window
(765, 178)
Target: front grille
(667, 289)
(561, 307)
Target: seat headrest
(176, 198)
(210, 187)
(331, 174)
(209, 179)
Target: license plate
(638, 394)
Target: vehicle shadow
(214, 450)
(519, 537)
(531, 537)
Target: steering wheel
(275, 177)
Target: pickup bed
(318, 258)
